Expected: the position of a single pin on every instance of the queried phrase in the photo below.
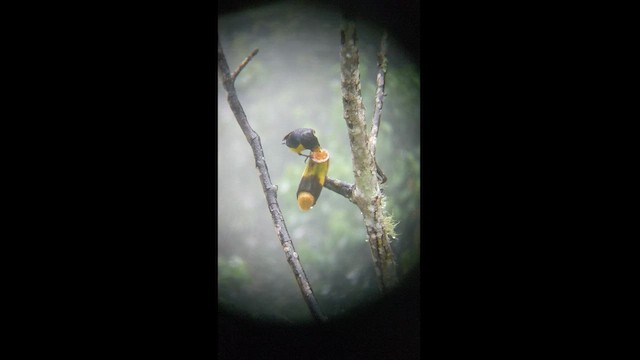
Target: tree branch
(366, 194)
(340, 187)
(354, 109)
(243, 64)
(377, 114)
(270, 190)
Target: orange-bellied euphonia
(315, 171)
(302, 139)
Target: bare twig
(243, 64)
(377, 113)
(270, 190)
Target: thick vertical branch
(270, 190)
(354, 111)
(366, 194)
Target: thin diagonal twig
(270, 190)
(243, 64)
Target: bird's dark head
(301, 139)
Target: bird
(315, 171)
(302, 139)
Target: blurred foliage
(232, 274)
(293, 82)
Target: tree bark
(366, 193)
(270, 190)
